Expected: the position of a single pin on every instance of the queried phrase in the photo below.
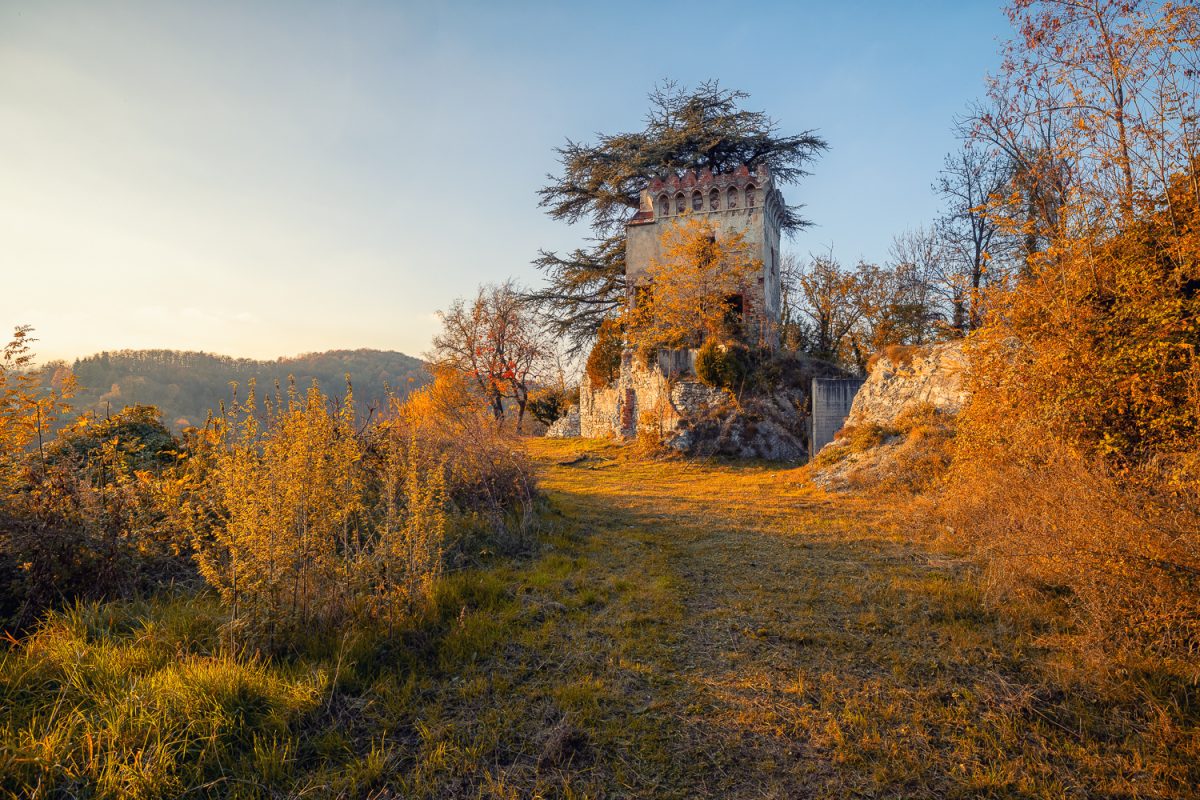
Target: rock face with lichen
(901, 425)
(769, 427)
(903, 378)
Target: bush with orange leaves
(488, 477)
(305, 520)
(1077, 463)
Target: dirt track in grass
(727, 630)
(701, 629)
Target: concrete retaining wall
(832, 399)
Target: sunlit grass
(684, 629)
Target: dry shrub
(925, 453)
(80, 508)
(85, 528)
(275, 512)
(909, 456)
(401, 571)
(487, 473)
(1075, 468)
(858, 438)
(918, 452)
(898, 354)
(1126, 559)
(305, 524)
(649, 443)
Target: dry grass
(810, 649)
(910, 456)
(688, 629)
(1124, 560)
(898, 354)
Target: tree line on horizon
(186, 386)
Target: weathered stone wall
(689, 416)
(758, 224)
(566, 426)
(599, 414)
(643, 399)
(903, 378)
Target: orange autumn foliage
(687, 297)
(1077, 464)
(1100, 346)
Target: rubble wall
(643, 399)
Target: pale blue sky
(263, 179)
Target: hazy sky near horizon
(269, 178)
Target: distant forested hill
(186, 385)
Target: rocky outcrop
(770, 427)
(566, 426)
(901, 425)
(667, 400)
(903, 378)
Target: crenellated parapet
(738, 191)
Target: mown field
(680, 629)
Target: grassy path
(703, 630)
(680, 630)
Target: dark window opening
(734, 308)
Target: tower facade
(742, 201)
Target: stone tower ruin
(742, 201)
(664, 396)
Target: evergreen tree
(601, 183)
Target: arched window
(733, 198)
(750, 196)
(664, 205)
(714, 199)
(679, 203)
(697, 201)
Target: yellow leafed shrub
(487, 475)
(1076, 466)
(303, 523)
